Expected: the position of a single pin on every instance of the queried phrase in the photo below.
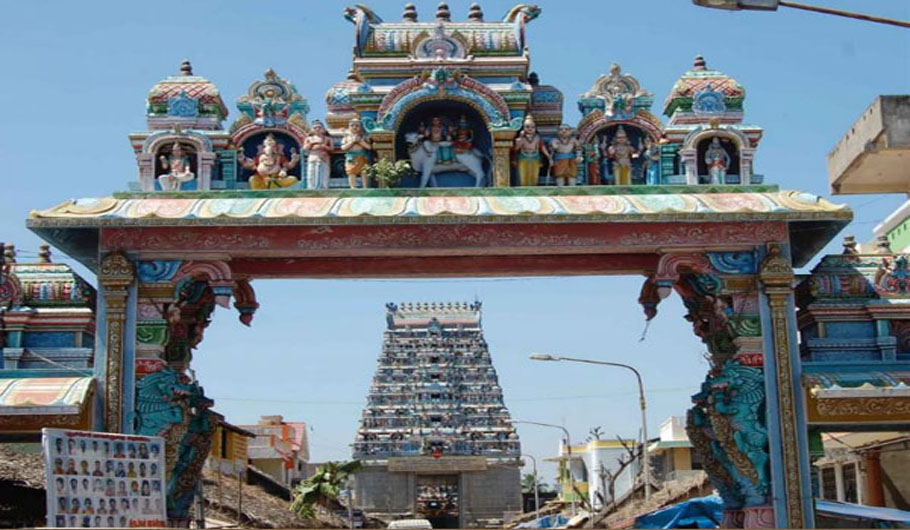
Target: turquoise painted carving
(708, 101)
(734, 262)
(183, 106)
(733, 400)
(157, 271)
(169, 405)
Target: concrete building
(435, 438)
(867, 468)
(672, 457)
(874, 157)
(280, 449)
(592, 466)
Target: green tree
(323, 488)
(527, 484)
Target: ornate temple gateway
(676, 203)
(435, 438)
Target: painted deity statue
(437, 139)
(464, 137)
(621, 152)
(529, 146)
(718, 161)
(177, 165)
(436, 149)
(566, 156)
(318, 145)
(356, 146)
(271, 165)
(592, 162)
(652, 161)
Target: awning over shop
(858, 384)
(30, 403)
(858, 511)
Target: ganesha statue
(271, 165)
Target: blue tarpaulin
(702, 512)
(707, 512)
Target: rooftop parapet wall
(874, 156)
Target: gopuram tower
(435, 438)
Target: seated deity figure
(621, 152)
(271, 165)
(566, 156)
(529, 146)
(356, 146)
(652, 161)
(318, 145)
(178, 166)
(718, 161)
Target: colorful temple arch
(677, 203)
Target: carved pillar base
(733, 519)
(758, 517)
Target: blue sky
(75, 78)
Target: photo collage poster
(104, 480)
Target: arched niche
(450, 111)
(165, 150)
(605, 136)
(202, 158)
(250, 146)
(731, 147)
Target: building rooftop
(874, 155)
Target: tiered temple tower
(435, 436)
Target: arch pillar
(116, 277)
(732, 422)
(793, 504)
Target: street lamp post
(646, 459)
(536, 494)
(568, 453)
(772, 5)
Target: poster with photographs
(102, 480)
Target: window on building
(829, 484)
(850, 494)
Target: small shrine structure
(498, 186)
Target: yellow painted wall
(682, 459)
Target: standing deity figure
(652, 161)
(356, 146)
(621, 152)
(178, 169)
(718, 161)
(271, 165)
(318, 145)
(566, 156)
(529, 145)
(592, 162)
